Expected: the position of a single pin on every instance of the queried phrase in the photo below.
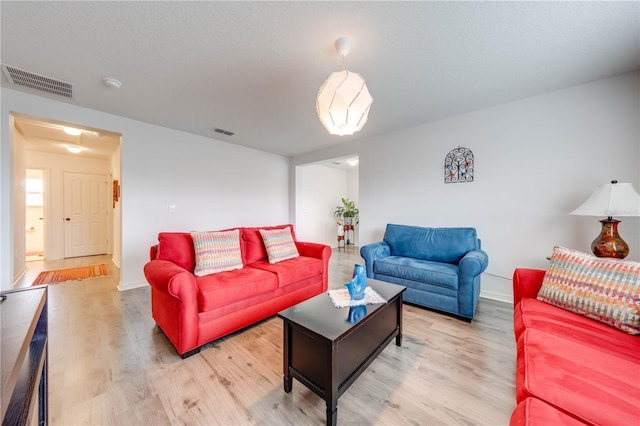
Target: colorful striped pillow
(279, 244)
(604, 289)
(216, 251)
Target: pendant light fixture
(343, 101)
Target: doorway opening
(319, 188)
(34, 215)
(67, 171)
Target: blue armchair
(440, 267)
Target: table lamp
(611, 199)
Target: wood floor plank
(111, 365)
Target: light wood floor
(109, 364)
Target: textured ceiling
(254, 68)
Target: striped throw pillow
(279, 244)
(606, 290)
(216, 251)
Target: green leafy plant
(347, 211)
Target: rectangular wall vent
(223, 131)
(38, 82)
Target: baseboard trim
(500, 297)
(131, 285)
(19, 276)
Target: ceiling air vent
(223, 131)
(38, 82)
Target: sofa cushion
(228, 287)
(532, 412)
(177, 247)
(279, 244)
(435, 244)
(534, 314)
(589, 383)
(606, 290)
(292, 270)
(216, 251)
(423, 271)
(254, 246)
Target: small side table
(348, 228)
(341, 238)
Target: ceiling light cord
(343, 47)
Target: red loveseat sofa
(192, 310)
(571, 369)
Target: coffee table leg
(286, 357)
(399, 319)
(332, 382)
(332, 414)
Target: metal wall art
(458, 166)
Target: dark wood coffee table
(326, 352)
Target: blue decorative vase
(358, 284)
(360, 271)
(356, 313)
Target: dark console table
(23, 354)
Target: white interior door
(85, 214)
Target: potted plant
(347, 212)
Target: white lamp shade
(343, 103)
(611, 199)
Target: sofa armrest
(526, 283)
(174, 302)
(473, 263)
(172, 279)
(371, 252)
(319, 251)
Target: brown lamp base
(609, 243)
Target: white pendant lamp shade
(343, 101)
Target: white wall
(353, 194)
(535, 161)
(213, 184)
(116, 219)
(19, 174)
(56, 165)
(318, 192)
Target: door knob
(67, 218)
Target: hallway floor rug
(69, 274)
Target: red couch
(570, 369)
(192, 311)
